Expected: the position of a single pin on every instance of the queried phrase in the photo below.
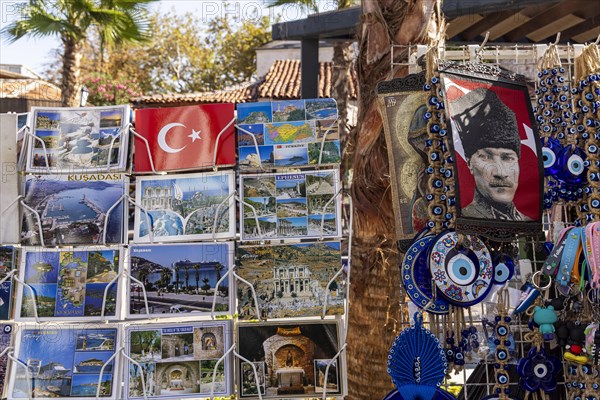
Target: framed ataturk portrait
(496, 151)
(402, 104)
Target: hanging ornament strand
(587, 104)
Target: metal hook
(482, 46)
(597, 40)
(557, 39)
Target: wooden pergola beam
(486, 24)
(547, 17)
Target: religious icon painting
(292, 357)
(178, 361)
(403, 104)
(497, 154)
(65, 361)
(288, 134)
(78, 209)
(291, 280)
(185, 207)
(78, 140)
(184, 138)
(175, 280)
(9, 219)
(8, 260)
(69, 284)
(291, 205)
(6, 334)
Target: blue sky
(33, 53)
(167, 254)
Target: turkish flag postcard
(185, 138)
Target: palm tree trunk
(375, 295)
(70, 84)
(341, 77)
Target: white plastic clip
(217, 141)
(251, 286)
(102, 370)
(33, 299)
(255, 144)
(337, 356)
(214, 302)
(27, 373)
(214, 377)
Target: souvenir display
(78, 140)
(178, 361)
(291, 205)
(497, 151)
(417, 364)
(587, 109)
(403, 106)
(291, 280)
(291, 359)
(66, 361)
(8, 260)
(288, 134)
(184, 138)
(185, 207)
(9, 217)
(69, 284)
(5, 342)
(179, 279)
(74, 209)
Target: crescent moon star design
(162, 135)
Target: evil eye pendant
(504, 268)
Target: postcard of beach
(307, 205)
(178, 360)
(180, 279)
(64, 361)
(73, 209)
(291, 280)
(81, 140)
(69, 284)
(185, 207)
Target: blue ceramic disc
(416, 277)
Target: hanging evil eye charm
(416, 276)
(462, 274)
(571, 168)
(504, 268)
(550, 153)
(538, 371)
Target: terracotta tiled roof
(282, 82)
(34, 89)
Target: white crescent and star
(162, 136)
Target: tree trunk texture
(375, 291)
(340, 78)
(70, 85)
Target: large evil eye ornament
(550, 152)
(462, 274)
(504, 268)
(571, 167)
(538, 371)
(416, 276)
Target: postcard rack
(180, 279)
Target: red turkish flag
(184, 138)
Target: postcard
(69, 284)
(291, 205)
(6, 334)
(184, 138)
(65, 361)
(298, 133)
(78, 140)
(73, 209)
(178, 361)
(9, 219)
(291, 280)
(8, 260)
(180, 279)
(184, 207)
(289, 359)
